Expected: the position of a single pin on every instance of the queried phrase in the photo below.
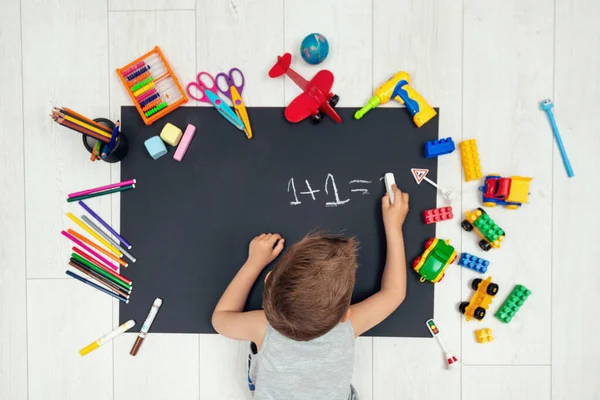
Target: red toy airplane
(315, 100)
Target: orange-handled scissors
(226, 83)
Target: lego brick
(437, 215)
(185, 142)
(473, 262)
(171, 134)
(435, 148)
(488, 228)
(484, 335)
(512, 304)
(470, 160)
(155, 146)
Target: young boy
(306, 330)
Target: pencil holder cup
(118, 153)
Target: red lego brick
(437, 215)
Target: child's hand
(394, 214)
(263, 249)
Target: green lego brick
(512, 304)
(488, 228)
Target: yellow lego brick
(171, 134)
(470, 160)
(519, 189)
(484, 335)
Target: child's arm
(228, 319)
(371, 311)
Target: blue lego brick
(155, 146)
(435, 148)
(473, 262)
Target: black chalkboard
(190, 223)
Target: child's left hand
(263, 249)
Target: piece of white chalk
(185, 142)
(389, 181)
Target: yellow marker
(107, 338)
(95, 235)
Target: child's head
(308, 292)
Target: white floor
(486, 64)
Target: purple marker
(104, 224)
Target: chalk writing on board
(310, 190)
(296, 201)
(337, 201)
(360, 190)
(331, 191)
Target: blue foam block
(155, 146)
(435, 148)
(473, 262)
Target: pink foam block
(185, 142)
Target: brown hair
(309, 290)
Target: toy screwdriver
(399, 89)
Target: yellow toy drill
(399, 89)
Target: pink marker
(101, 188)
(90, 250)
(185, 142)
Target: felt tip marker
(146, 327)
(107, 338)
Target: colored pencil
(92, 284)
(73, 114)
(79, 129)
(104, 224)
(83, 124)
(97, 194)
(96, 150)
(99, 278)
(113, 138)
(95, 235)
(96, 247)
(80, 255)
(108, 238)
(102, 188)
(107, 263)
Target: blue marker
(547, 106)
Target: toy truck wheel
(482, 210)
(463, 307)
(417, 260)
(466, 225)
(489, 204)
(334, 100)
(475, 283)
(453, 259)
(479, 313)
(492, 289)
(317, 118)
(512, 206)
(484, 245)
(429, 242)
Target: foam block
(185, 142)
(156, 148)
(171, 134)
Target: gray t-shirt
(317, 369)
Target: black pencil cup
(121, 146)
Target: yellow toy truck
(485, 291)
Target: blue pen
(92, 284)
(547, 106)
(113, 138)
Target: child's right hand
(394, 214)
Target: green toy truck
(491, 234)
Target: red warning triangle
(419, 174)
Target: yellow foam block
(171, 134)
